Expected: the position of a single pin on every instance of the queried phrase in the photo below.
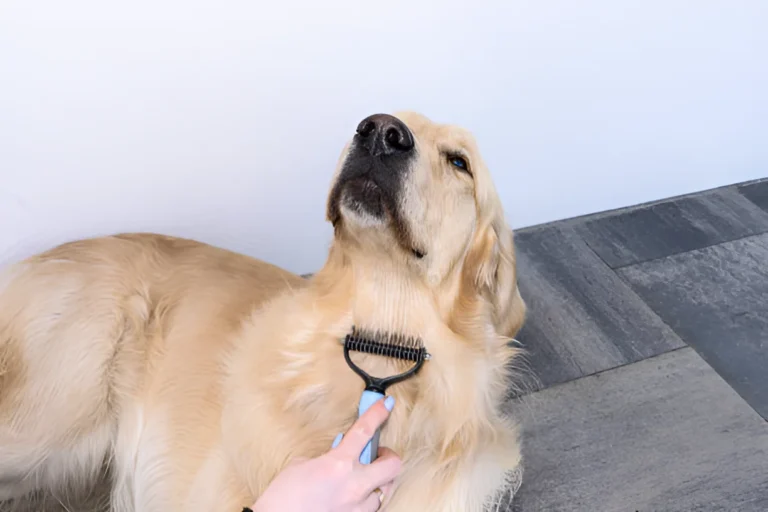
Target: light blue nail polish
(389, 403)
(337, 440)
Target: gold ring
(381, 495)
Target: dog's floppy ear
(492, 269)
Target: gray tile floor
(647, 348)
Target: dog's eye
(460, 163)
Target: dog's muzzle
(371, 178)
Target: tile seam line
(631, 290)
(660, 258)
(618, 367)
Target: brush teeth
(387, 344)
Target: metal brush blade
(400, 347)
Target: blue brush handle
(371, 450)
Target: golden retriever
(197, 373)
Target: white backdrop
(222, 120)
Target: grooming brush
(396, 347)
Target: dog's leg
(62, 462)
(65, 473)
(57, 346)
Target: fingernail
(337, 440)
(389, 403)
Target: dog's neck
(376, 295)
(384, 301)
(379, 297)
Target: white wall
(222, 120)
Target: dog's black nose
(383, 134)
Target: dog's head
(418, 195)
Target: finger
(387, 490)
(372, 503)
(383, 450)
(380, 472)
(363, 429)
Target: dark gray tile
(582, 318)
(716, 299)
(757, 193)
(672, 227)
(665, 434)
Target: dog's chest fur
(289, 392)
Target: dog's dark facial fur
(371, 178)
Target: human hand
(337, 481)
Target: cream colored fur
(197, 373)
